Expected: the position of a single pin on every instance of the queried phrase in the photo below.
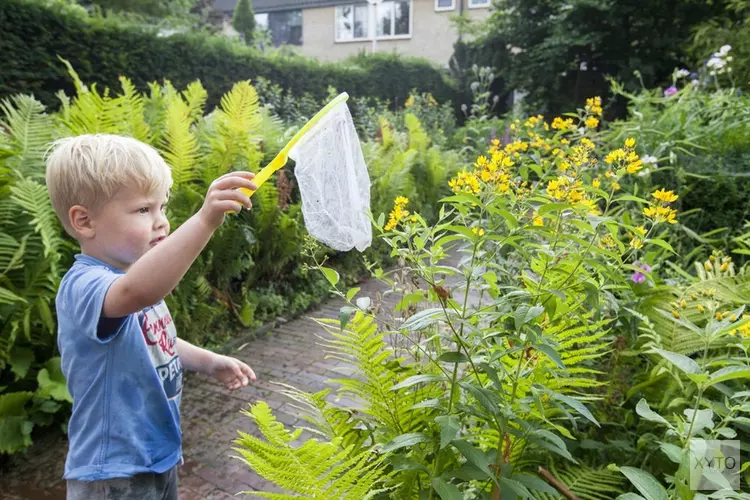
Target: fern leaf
(180, 147)
(588, 483)
(235, 144)
(132, 104)
(196, 96)
(33, 198)
(29, 131)
(317, 470)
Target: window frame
(336, 38)
(369, 36)
(473, 5)
(438, 8)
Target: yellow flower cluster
(626, 157)
(594, 105)
(562, 124)
(636, 240)
(465, 182)
(409, 102)
(494, 169)
(591, 122)
(398, 213)
(534, 121)
(662, 213)
(664, 196)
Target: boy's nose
(161, 220)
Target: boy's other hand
(231, 372)
(224, 196)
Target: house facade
(331, 30)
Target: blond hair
(89, 170)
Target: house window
(445, 5)
(285, 27)
(352, 22)
(473, 4)
(392, 19)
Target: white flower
(725, 49)
(584, 66)
(649, 160)
(681, 73)
(695, 83)
(516, 50)
(715, 62)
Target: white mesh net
(333, 182)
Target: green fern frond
(588, 483)
(418, 139)
(34, 200)
(329, 421)
(180, 147)
(133, 105)
(364, 347)
(236, 122)
(673, 335)
(29, 132)
(195, 96)
(314, 469)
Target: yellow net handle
(280, 160)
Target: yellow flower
(615, 156)
(724, 267)
(700, 308)
(636, 243)
(562, 124)
(629, 142)
(661, 214)
(707, 266)
(587, 142)
(596, 183)
(635, 166)
(564, 141)
(398, 213)
(732, 318)
(676, 314)
(591, 122)
(641, 230)
(478, 231)
(693, 296)
(719, 316)
(465, 182)
(594, 105)
(615, 186)
(665, 196)
(538, 221)
(409, 102)
(683, 303)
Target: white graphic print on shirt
(161, 340)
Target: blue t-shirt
(125, 378)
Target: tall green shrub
(102, 50)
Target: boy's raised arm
(158, 272)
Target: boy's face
(127, 227)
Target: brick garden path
(211, 415)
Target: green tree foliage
(560, 51)
(243, 20)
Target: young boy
(120, 352)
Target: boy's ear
(80, 221)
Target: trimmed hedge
(35, 34)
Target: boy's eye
(143, 210)
(164, 207)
